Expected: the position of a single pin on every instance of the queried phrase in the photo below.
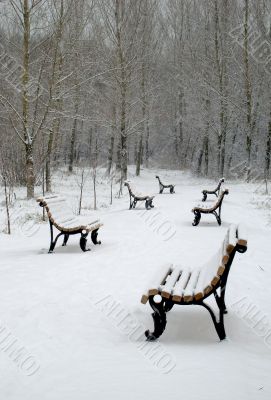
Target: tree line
(172, 83)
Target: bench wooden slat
(200, 286)
(191, 285)
(180, 285)
(170, 282)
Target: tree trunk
(268, 151)
(139, 154)
(73, 138)
(57, 68)
(30, 177)
(248, 92)
(206, 137)
(142, 131)
(112, 143)
(7, 205)
(147, 148)
(220, 78)
(180, 123)
(123, 91)
(48, 180)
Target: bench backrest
(219, 184)
(134, 194)
(129, 189)
(215, 269)
(219, 201)
(58, 210)
(159, 180)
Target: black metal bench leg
(217, 217)
(83, 241)
(94, 235)
(220, 300)
(53, 242)
(131, 203)
(219, 325)
(161, 187)
(66, 238)
(159, 318)
(225, 311)
(172, 189)
(204, 196)
(197, 218)
(148, 204)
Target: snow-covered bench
(134, 198)
(216, 191)
(210, 210)
(181, 285)
(61, 217)
(162, 186)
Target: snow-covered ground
(79, 318)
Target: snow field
(61, 306)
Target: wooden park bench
(134, 198)
(61, 217)
(216, 191)
(210, 210)
(184, 286)
(162, 186)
